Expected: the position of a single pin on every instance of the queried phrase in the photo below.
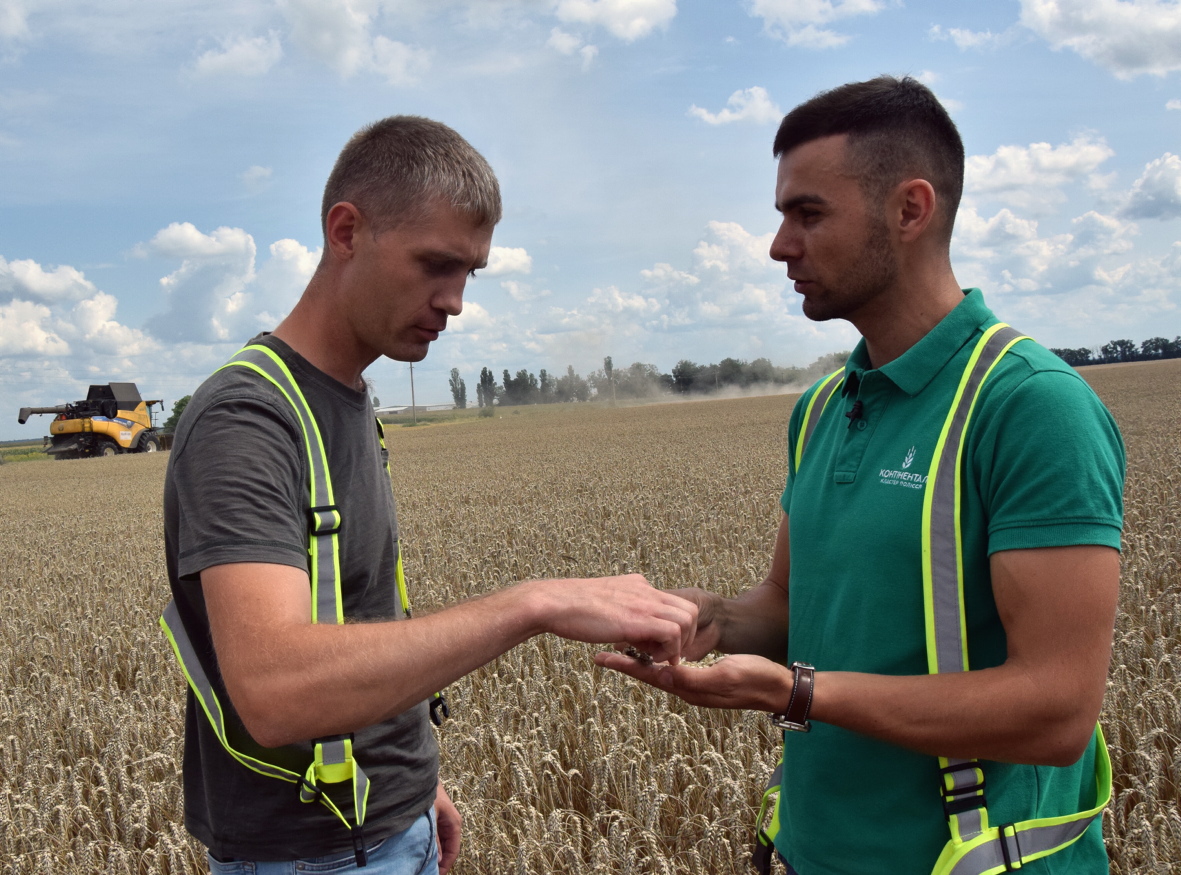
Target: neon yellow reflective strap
(440, 710)
(333, 760)
(825, 389)
(975, 847)
(1009, 846)
(322, 566)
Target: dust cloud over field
(557, 766)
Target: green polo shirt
(1043, 467)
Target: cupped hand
(741, 680)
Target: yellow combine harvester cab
(113, 419)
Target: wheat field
(556, 766)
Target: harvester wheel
(149, 444)
(108, 448)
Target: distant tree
(685, 375)
(486, 392)
(545, 387)
(571, 387)
(521, 389)
(177, 409)
(609, 372)
(733, 372)
(642, 381)
(376, 402)
(458, 390)
(1156, 348)
(1119, 351)
(1074, 357)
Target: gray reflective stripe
(945, 542)
(776, 777)
(323, 563)
(819, 402)
(1026, 845)
(186, 654)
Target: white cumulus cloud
(1127, 37)
(59, 312)
(571, 44)
(1034, 175)
(505, 259)
(1173, 104)
(970, 39)
(747, 105)
(629, 20)
(802, 22)
(255, 177)
(1157, 193)
(28, 280)
(241, 56)
(25, 329)
(339, 34)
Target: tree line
(1122, 351)
(638, 381)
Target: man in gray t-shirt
(408, 213)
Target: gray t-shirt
(237, 491)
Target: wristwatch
(795, 717)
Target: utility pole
(413, 408)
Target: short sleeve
(239, 486)
(1049, 464)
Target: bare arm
(1057, 606)
(291, 680)
(754, 622)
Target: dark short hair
(897, 130)
(394, 169)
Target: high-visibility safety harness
(333, 761)
(975, 847)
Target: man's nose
(450, 299)
(786, 244)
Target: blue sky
(161, 167)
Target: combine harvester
(113, 419)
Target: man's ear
(913, 209)
(341, 227)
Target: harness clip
(440, 710)
(1013, 860)
(957, 800)
(324, 519)
(359, 852)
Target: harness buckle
(1013, 861)
(957, 800)
(440, 710)
(324, 519)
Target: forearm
(754, 622)
(290, 679)
(312, 680)
(1000, 713)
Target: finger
(629, 666)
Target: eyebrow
(800, 200)
(445, 256)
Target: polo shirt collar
(915, 368)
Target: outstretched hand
(737, 681)
(604, 610)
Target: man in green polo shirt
(869, 179)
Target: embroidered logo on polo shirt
(909, 479)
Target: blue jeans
(415, 851)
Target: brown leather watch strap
(795, 717)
